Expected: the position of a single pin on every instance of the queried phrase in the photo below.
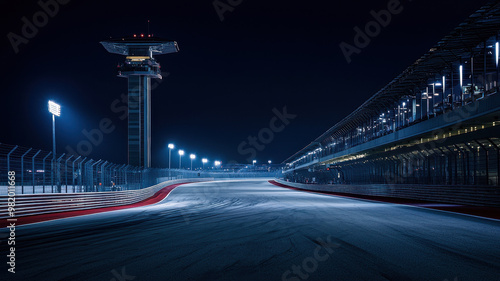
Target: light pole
(217, 163)
(204, 161)
(181, 152)
(192, 156)
(54, 109)
(254, 161)
(170, 147)
(269, 162)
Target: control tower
(139, 67)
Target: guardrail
(464, 195)
(36, 204)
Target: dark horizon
(223, 84)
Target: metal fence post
(84, 176)
(112, 170)
(22, 170)
(125, 183)
(92, 175)
(73, 174)
(109, 175)
(123, 171)
(141, 176)
(52, 168)
(87, 175)
(102, 182)
(58, 173)
(66, 172)
(8, 158)
(33, 169)
(80, 177)
(44, 172)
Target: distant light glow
(497, 52)
(171, 146)
(204, 160)
(254, 161)
(192, 156)
(269, 162)
(461, 69)
(54, 108)
(181, 152)
(217, 163)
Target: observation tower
(139, 68)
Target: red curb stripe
(486, 212)
(157, 197)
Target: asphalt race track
(253, 230)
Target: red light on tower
(135, 35)
(142, 35)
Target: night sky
(222, 86)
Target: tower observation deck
(139, 67)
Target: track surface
(253, 230)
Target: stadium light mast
(181, 152)
(204, 161)
(192, 157)
(55, 110)
(170, 147)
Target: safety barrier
(463, 195)
(36, 204)
(37, 171)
